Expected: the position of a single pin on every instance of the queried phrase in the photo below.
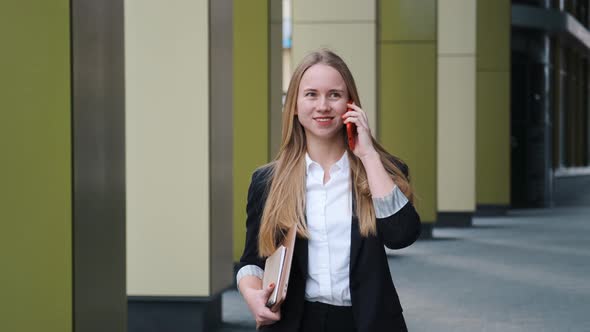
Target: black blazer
(375, 302)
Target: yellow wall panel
(493, 35)
(407, 118)
(493, 138)
(407, 20)
(251, 108)
(493, 102)
(36, 167)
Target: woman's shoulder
(261, 178)
(263, 174)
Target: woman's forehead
(321, 76)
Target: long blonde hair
(285, 203)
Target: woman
(347, 204)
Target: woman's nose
(323, 104)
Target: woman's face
(321, 101)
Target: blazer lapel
(356, 242)
(301, 254)
(301, 251)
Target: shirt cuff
(249, 270)
(391, 203)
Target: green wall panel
(407, 115)
(251, 95)
(493, 35)
(407, 20)
(493, 138)
(35, 173)
(493, 103)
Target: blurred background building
(130, 130)
(549, 97)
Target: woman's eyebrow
(315, 90)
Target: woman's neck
(325, 152)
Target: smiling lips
(324, 120)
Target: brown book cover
(278, 268)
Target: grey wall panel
(221, 138)
(99, 165)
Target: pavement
(526, 271)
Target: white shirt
(329, 216)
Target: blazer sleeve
(400, 229)
(254, 209)
(403, 227)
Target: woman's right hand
(256, 300)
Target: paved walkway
(527, 271)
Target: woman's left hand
(364, 144)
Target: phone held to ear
(351, 131)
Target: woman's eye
(310, 94)
(334, 95)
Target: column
(407, 95)
(179, 162)
(257, 93)
(493, 107)
(456, 112)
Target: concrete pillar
(179, 162)
(456, 85)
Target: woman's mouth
(324, 120)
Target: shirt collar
(341, 164)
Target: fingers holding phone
(351, 132)
(357, 130)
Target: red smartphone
(351, 131)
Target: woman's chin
(325, 135)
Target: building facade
(130, 131)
